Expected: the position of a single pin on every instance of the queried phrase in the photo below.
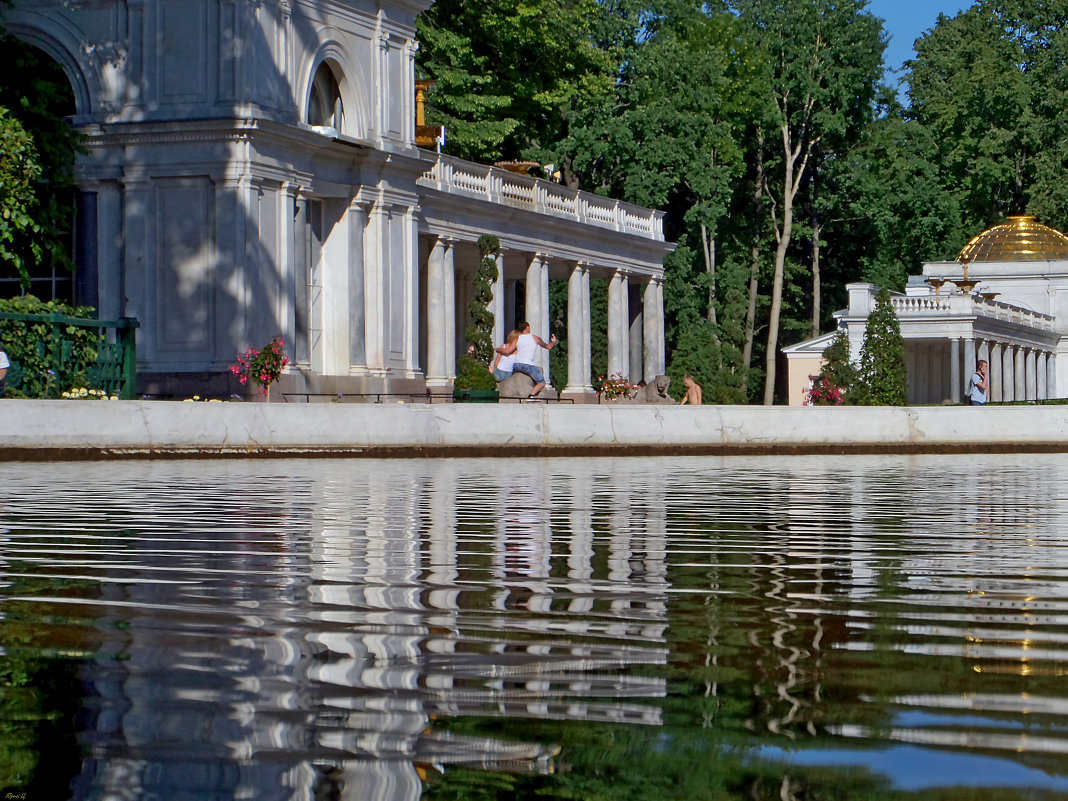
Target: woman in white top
(502, 364)
(525, 347)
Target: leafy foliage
(36, 93)
(838, 371)
(882, 380)
(262, 365)
(19, 172)
(493, 104)
(473, 372)
(39, 347)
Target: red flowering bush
(263, 366)
(615, 386)
(824, 393)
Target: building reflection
(389, 603)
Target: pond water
(700, 628)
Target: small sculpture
(656, 392)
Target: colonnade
(1016, 372)
(635, 330)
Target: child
(693, 392)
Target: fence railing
(115, 368)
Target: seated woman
(503, 363)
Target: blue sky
(907, 19)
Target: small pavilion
(1004, 299)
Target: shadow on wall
(178, 234)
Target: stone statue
(655, 392)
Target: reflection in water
(756, 628)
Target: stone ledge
(62, 430)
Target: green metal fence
(115, 368)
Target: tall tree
(671, 137)
(990, 87)
(509, 72)
(824, 58)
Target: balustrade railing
(512, 189)
(921, 305)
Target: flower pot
(474, 396)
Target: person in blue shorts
(525, 348)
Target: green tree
(824, 59)
(838, 370)
(19, 172)
(671, 137)
(37, 95)
(990, 87)
(882, 380)
(509, 72)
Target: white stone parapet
(920, 305)
(496, 185)
(62, 429)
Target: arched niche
(332, 73)
(59, 46)
(325, 107)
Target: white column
(969, 359)
(578, 306)
(954, 370)
(587, 333)
(374, 282)
(617, 325)
(436, 370)
(635, 338)
(624, 327)
(1019, 373)
(994, 377)
(1030, 371)
(448, 277)
(1051, 376)
(410, 345)
(649, 330)
(497, 304)
(537, 306)
(661, 347)
(544, 322)
(1040, 374)
(1007, 382)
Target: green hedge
(53, 358)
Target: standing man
(977, 384)
(525, 349)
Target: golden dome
(1019, 239)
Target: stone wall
(93, 429)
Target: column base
(579, 395)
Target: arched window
(324, 106)
(38, 94)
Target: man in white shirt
(525, 349)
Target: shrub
(838, 377)
(264, 366)
(882, 380)
(54, 358)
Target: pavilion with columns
(1004, 300)
(252, 169)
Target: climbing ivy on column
(474, 366)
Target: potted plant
(263, 365)
(474, 382)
